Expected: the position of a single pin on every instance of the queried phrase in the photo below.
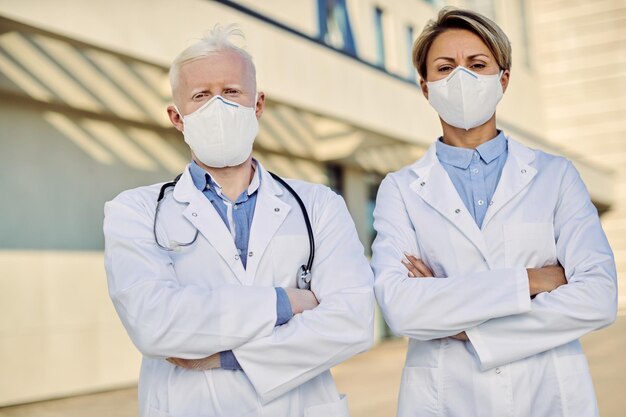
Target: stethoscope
(304, 272)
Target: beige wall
(59, 334)
(580, 52)
(94, 98)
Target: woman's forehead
(454, 41)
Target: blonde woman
(490, 256)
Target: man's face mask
(221, 132)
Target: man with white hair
(240, 290)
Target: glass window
(335, 177)
(410, 38)
(334, 25)
(380, 37)
(524, 30)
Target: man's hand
(301, 300)
(545, 279)
(417, 268)
(204, 364)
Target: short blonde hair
(216, 40)
(452, 18)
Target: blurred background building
(83, 89)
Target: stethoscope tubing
(306, 269)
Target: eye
(445, 68)
(200, 96)
(231, 92)
(478, 66)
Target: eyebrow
(447, 58)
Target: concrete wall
(83, 90)
(580, 53)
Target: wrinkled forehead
(457, 42)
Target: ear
(504, 80)
(175, 118)
(260, 105)
(424, 88)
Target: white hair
(215, 40)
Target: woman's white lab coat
(523, 357)
(200, 300)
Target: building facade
(84, 90)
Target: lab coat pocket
(234, 394)
(576, 385)
(529, 245)
(337, 408)
(154, 412)
(419, 392)
(289, 252)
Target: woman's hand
(545, 279)
(417, 268)
(204, 364)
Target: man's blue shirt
(237, 216)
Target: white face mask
(221, 132)
(465, 99)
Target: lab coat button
(523, 171)
(276, 209)
(194, 214)
(457, 211)
(422, 183)
(491, 203)
(250, 254)
(498, 371)
(236, 257)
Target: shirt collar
(462, 157)
(493, 148)
(202, 179)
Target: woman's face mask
(465, 99)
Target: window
(334, 25)
(379, 37)
(525, 37)
(335, 177)
(485, 7)
(410, 38)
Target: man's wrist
(229, 361)
(284, 312)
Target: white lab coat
(523, 358)
(200, 300)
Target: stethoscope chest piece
(304, 278)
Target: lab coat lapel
(435, 187)
(269, 214)
(516, 175)
(201, 213)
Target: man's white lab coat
(199, 300)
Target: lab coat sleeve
(433, 308)
(586, 303)
(338, 328)
(162, 317)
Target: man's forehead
(227, 62)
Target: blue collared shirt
(237, 216)
(475, 173)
